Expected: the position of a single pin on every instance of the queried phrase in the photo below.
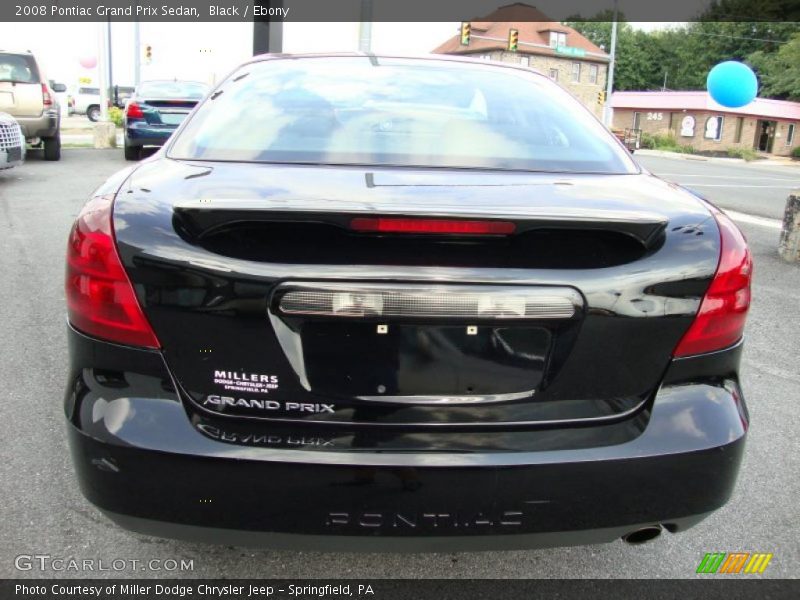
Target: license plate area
(438, 363)
(421, 343)
(172, 118)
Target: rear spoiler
(203, 217)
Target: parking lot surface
(758, 188)
(44, 512)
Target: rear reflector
(460, 302)
(720, 321)
(440, 226)
(100, 298)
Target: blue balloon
(732, 84)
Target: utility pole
(102, 68)
(608, 112)
(137, 53)
(664, 87)
(365, 27)
(268, 32)
(110, 62)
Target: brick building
(694, 119)
(552, 48)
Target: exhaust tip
(643, 535)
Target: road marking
(797, 181)
(753, 220)
(738, 185)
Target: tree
(635, 68)
(687, 53)
(779, 71)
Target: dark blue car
(155, 110)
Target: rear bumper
(43, 126)
(154, 467)
(143, 134)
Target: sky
(202, 51)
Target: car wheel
(52, 147)
(93, 112)
(133, 152)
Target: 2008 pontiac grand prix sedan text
(386, 303)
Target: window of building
(557, 38)
(637, 120)
(554, 74)
(738, 135)
(576, 72)
(525, 61)
(714, 128)
(790, 134)
(592, 73)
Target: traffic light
(148, 54)
(601, 97)
(466, 29)
(513, 40)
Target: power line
(737, 37)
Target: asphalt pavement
(44, 513)
(756, 188)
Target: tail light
(47, 99)
(100, 298)
(720, 321)
(134, 111)
(440, 226)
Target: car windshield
(184, 90)
(18, 68)
(399, 112)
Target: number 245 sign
(655, 116)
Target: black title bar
(387, 589)
(395, 10)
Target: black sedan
(384, 303)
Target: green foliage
(647, 141)
(684, 55)
(115, 116)
(796, 152)
(780, 71)
(747, 154)
(664, 142)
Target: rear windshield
(183, 90)
(18, 68)
(401, 112)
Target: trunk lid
(166, 112)
(269, 304)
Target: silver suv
(26, 96)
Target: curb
(717, 159)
